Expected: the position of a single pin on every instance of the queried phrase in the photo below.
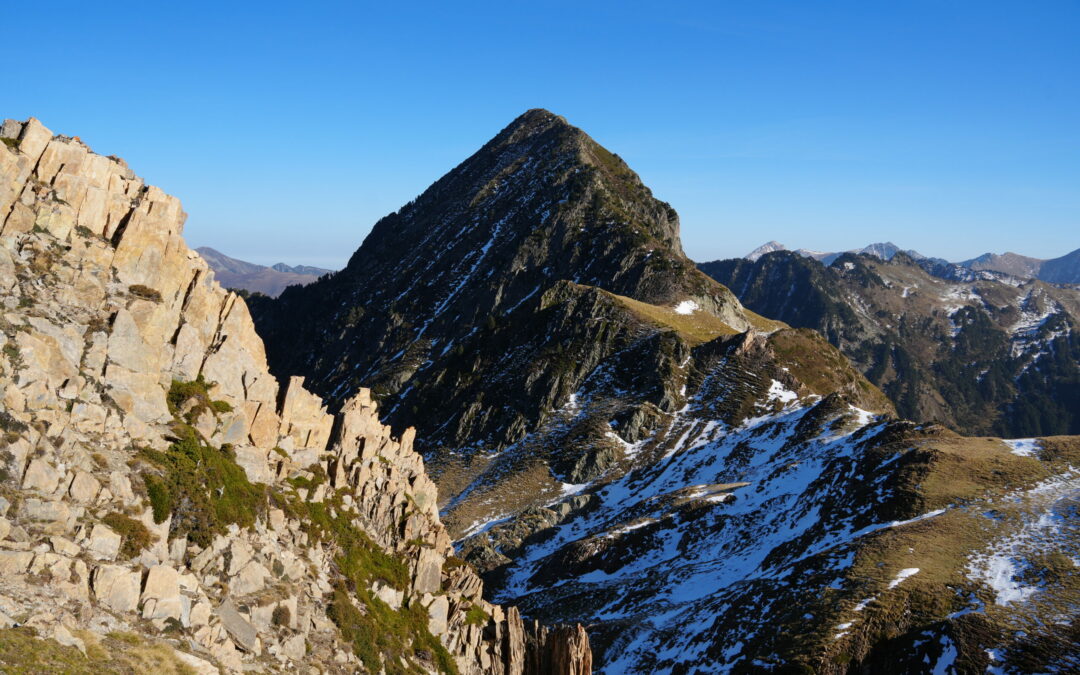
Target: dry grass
(822, 368)
(972, 476)
(697, 327)
(763, 324)
(22, 652)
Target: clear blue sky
(288, 129)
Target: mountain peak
(539, 204)
(767, 247)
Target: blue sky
(288, 129)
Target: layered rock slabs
(163, 500)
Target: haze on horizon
(288, 131)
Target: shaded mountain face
(271, 281)
(982, 354)
(463, 310)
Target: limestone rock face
(237, 557)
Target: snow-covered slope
(811, 533)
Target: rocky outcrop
(157, 480)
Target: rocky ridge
(161, 492)
(537, 264)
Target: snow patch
(686, 307)
(572, 488)
(903, 574)
(1025, 447)
(777, 392)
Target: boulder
(104, 544)
(238, 627)
(116, 587)
(250, 579)
(84, 488)
(41, 476)
(438, 611)
(163, 587)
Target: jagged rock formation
(986, 354)
(161, 494)
(240, 275)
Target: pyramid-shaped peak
(536, 124)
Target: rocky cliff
(165, 505)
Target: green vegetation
(135, 536)
(12, 143)
(380, 635)
(197, 392)
(476, 616)
(360, 560)
(303, 482)
(11, 351)
(144, 292)
(203, 488)
(160, 499)
(23, 652)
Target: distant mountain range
(271, 281)
(884, 251)
(983, 353)
(1063, 270)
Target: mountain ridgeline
(512, 242)
(245, 276)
